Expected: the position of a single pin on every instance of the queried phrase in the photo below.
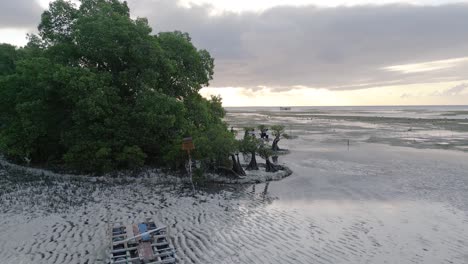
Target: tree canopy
(95, 90)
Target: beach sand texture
(393, 197)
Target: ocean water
(436, 111)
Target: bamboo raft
(141, 243)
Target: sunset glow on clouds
(309, 52)
(428, 66)
(415, 94)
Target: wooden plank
(129, 229)
(123, 250)
(136, 232)
(145, 251)
(166, 261)
(164, 243)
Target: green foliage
(8, 57)
(278, 133)
(213, 145)
(95, 91)
(186, 70)
(198, 177)
(262, 127)
(131, 157)
(265, 151)
(277, 130)
(90, 156)
(247, 131)
(249, 144)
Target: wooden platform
(156, 250)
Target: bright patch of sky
(44, 3)
(450, 93)
(427, 66)
(14, 36)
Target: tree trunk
(241, 170)
(227, 172)
(234, 163)
(211, 165)
(253, 162)
(270, 167)
(236, 167)
(246, 134)
(265, 191)
(275, 159)
(275, 147)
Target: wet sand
(378, 202)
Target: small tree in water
(266, 152)
(263, 129)
(249, 146)
(249, 131)
(278, 133)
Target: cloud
(285, 47)
(428, 66)
(12, 35)
(411, 94)
(19, 14)
(245, 5)
(335, 48)
(456, 90)
(405, 95)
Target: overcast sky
(310, 52)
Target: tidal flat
(397, 193)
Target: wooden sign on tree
(187, 144)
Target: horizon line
(344, 105)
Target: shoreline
(153, 175)
(253, 176)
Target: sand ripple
(243, 225)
